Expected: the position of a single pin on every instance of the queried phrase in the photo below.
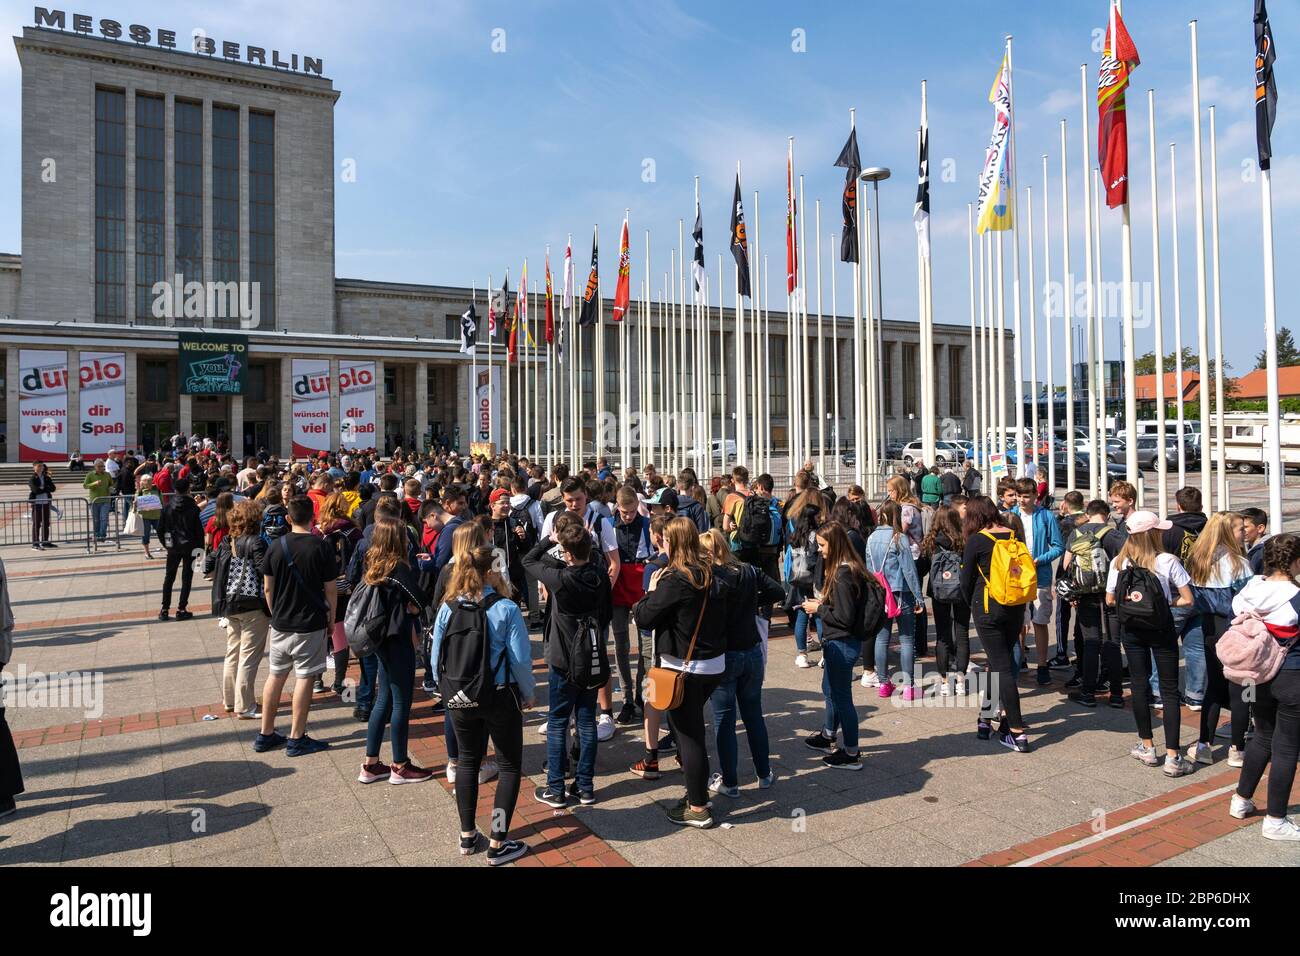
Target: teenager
(889, 555)
(239, 600)
(1043, 538)
(632, 529)
(335, 527)
(1097, 647)
(943, 546)
(807, 512)
(181, 532)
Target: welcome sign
(212, 364)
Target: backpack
(890, 603)
(273, 525)
(521, 515)
(1012, 579)
(1140, 602)
(874, 616)
(755, 527)
(1089, 564)
(242, 580)
(366, 622)
(465, 669)
(588, 661)
(343, 549)
(945, 576)
(1249, 652)
(801, 564)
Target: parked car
(945, 452)
(1147, 450)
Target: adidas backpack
(465, 668)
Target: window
(110, 206)
(955, 390)
(390, 385)
(149, 192)
(909, 378)
(256, 384)
(225, 194)
(887, 379)
(261, 212)
(778, 389)
(157, 382)
(188, 192)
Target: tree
(1287, 353)
(1146, 364)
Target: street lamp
(876, 175)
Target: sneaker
(338, 687)
(983, 729)
(373, 773)
(1087, 700)
(362, 715)
(7, 807)
(488, 770)
(627, 714)
(1158, 704)
(543, 728)
(1044, 675)
(507, 852)
(410, 774)
(1236, 758)
(960, 687)
(316, 688)
(451, 773)
(869, 679)
(37, 547)
(1074, 683)
(646, 769)
(164, 615)
(910, 693)
(841, 759)
(819, 741)
(1241, 807)
(251, 714)
(470, 844)
(184, 615)
(1060, 662)
(765, 783)
(584, 797)
(1017, 742)
(555, 799)
(886, 690)
(1194, 706)
(264, 742)
(1145, 754)
(1281, 828)
(1200, 753)
(945, 689)
(667, 744)
(430, 688)
(802, 661)
(1177, 766)
(304, 746)
(604, 728)
(684, 816)
(717, 786)
(821, 662)
(1117, 699)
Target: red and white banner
(42, 405)
(102, 378)
(487, 403)
(357, 404)
(311, 407)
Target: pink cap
(1140, 521)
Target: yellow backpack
(1012, 579)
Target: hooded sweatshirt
(688, 507)
(1178, 539)
(520, 503)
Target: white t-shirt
(1168, 569)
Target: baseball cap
(1140, 521)
(498, 495)
(668, 499)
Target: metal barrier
(72, 523)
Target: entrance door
(155, 435)
(256, 435)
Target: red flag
(791, 253)
(623, 291)
(512, 349)
(1118, 59)
(550, 315)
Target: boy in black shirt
(1100, 649)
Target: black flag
(739, 241)
(697, 262)
(591, 295)
(1265, 86)
(468, 330)
(850, 160)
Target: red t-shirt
(218, 534)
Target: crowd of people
(443, 564)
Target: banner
(357, 404)
(212, 364)
(102, 378)
(996, 202)
(42, 405)
(311, 407)
(487, 404)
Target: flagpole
(974, 421)
(491, 324)
(1202, 310)
(1044, 291)
(1126, 284)
(1067, 325)
(1178, 323)
(673, 388)
(805, 392)
(505, 374)
(871, 412)
(1033, 336)
(859, 416)
(535, 396)
(1219, 445)
(1101, 326)
(835, 363)
(722, 369)
(758, 303)
(1162, 465)
(929, 400)
(679, 353)
(1096, 448)
(985, 430)
(821, 354)
(1017, 364)
(986, 365)
(1273, 434)
(1002, 356)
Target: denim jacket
(892, 557)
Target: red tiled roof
(1254, 385)
(1145, 386)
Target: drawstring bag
(892, 609)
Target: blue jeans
(127, 501)
(1187, 622)
(741, 689)
(366, 686)
(99, 511)
(906, 621)
(150, 526)
(396, 680)
(837, 688)
(569, 700)
(801, 630)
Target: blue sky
(467, 160)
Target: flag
(567, 296)
(512, 345)
(739, 242)
(791, 249)
(850, 160)
(559, 344)
(521, 297)
(591, 296)
(921, 211)
(697, 261)
(995, 202)
(498, 304)
(623, 290)
(1265, 86)
(1118, 58)
(468, 330)
(550, 314)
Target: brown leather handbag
(665, 687)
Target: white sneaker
(1201, 753)
(765, 783)
(821, 662)
(1177, 766)
(543, 727)
(802, 661)
(1145, 754)
(869, 679)
(604, 727)
(451, 773)
(251, 714)
(945, 689)
(1241, 807)
(717, 786)
(961, 687)
(487, 770)
(1282, 828)
(1236, 758)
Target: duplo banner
(487, 404)
(311, 407)
(42, 405)
(212, 363)
(102, 382)
(357, 404)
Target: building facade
(177, 274)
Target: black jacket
(575, 593)
(672, 609)
(856, 607)
(950, 483)
(251, 546)
(747, 590)
(401, 588)
(688, 507)
(506, 537)
(1185, 523)
(179, 526)
(40, 484)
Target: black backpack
(365, 624)
(945, 576)
(588, 660)
(1140, 603)
(755, 526)
(465, 667)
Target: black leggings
(999, 636)
(40, 523)
(1098, 649)
(181, 560)
(503, 721)
(1219, 691)
(687, 723)
(1139, 655)
(951, 632)
(1276, 740)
